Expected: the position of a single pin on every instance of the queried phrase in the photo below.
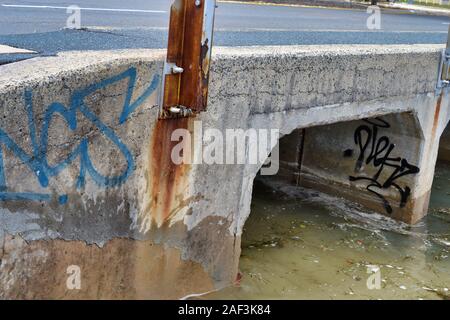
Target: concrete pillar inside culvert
(385, 164)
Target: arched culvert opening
(374, 162)
(302, 243)
(444, 145)
(440, 196)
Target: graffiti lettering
(376, 150)
(37, 161)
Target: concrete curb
(303, 3)
(416, 9)
(393, 8)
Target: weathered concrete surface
(335, 86)
(122, 269)
(86, 172)
(86, 177)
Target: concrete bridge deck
(87, 179)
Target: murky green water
(320, 247)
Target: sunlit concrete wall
(87, 182)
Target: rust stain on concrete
(169, 181)
(436, 116)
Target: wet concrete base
(122, 269)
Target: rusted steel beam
(186, 70)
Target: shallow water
(321, 247)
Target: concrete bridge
(88, 185)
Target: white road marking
(9, 50)
(81, 8)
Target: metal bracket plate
(186, 71)
(443, 80)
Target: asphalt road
(39, 25)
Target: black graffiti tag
(376, 150)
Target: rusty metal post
(186, 70)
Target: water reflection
(320, 247)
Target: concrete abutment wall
(86, 178)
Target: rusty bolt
(177, 70)
(175, 110)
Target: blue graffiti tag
(37, 161)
